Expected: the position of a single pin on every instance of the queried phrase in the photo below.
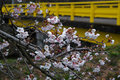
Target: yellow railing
(98, 9)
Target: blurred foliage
(113, 50)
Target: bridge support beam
(92, 13)
(118, 15)
(72, 12)
(44, 7)
(57, 10)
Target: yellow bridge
(104, 12)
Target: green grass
(114, 54)
(8, 60)
(113, 50)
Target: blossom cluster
(40, 55)
(21, 33)
(67, 36)
(1, 65)
(30, 77)
(50, 24)
(31, 8)
(91, 34)
(4, 44)
(46, 66)
(59, 41)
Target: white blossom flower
(55, 64)
(87, 34)
(97, 69)
(20, 6)
(118, 76)
(19, 0)
(102, 62)
(48, 78)
(39, 53)
(60, 65)
(83, 73)
(40, 12)
(47, 66)
(35, 78)
(36, 22)
(112, 79)
(31, 2)
(13, 21)
(47, 53)
(107, 35)
(1, 66)
(19, 29)
(107, 59)
(104, 45)
(65, 60)
(6, 53)
(96, 54)
(95, 36)
(93, 30)
(112, 41)
(46, 47)
(31, 68)
(46, 10)
(32, 54)
(4, 44)
(37, 58)
(22, 35)
(19, 59)
(82, 63)
(65, 68)
(68, 47)
(53, 20)
(92, 34)
(89, 73)
(91, 57)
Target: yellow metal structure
(95, 9)
(99, 9)
(80, 32)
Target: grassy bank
(113, 50)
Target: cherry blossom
(36, 22)
(46, 66)
(32, 54)
(48, 78)
(102, 62)
(19, 0)
(112, 41)
(31, 77)
(4, 44)
(19, 29)
(97, 69)
(22, 34)
(40, 54)
(1, 65)
(39, 12)
(118, 76)
(107, 35)
(31, 7)
(104, 45)
(92, 34)
(53, 20)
